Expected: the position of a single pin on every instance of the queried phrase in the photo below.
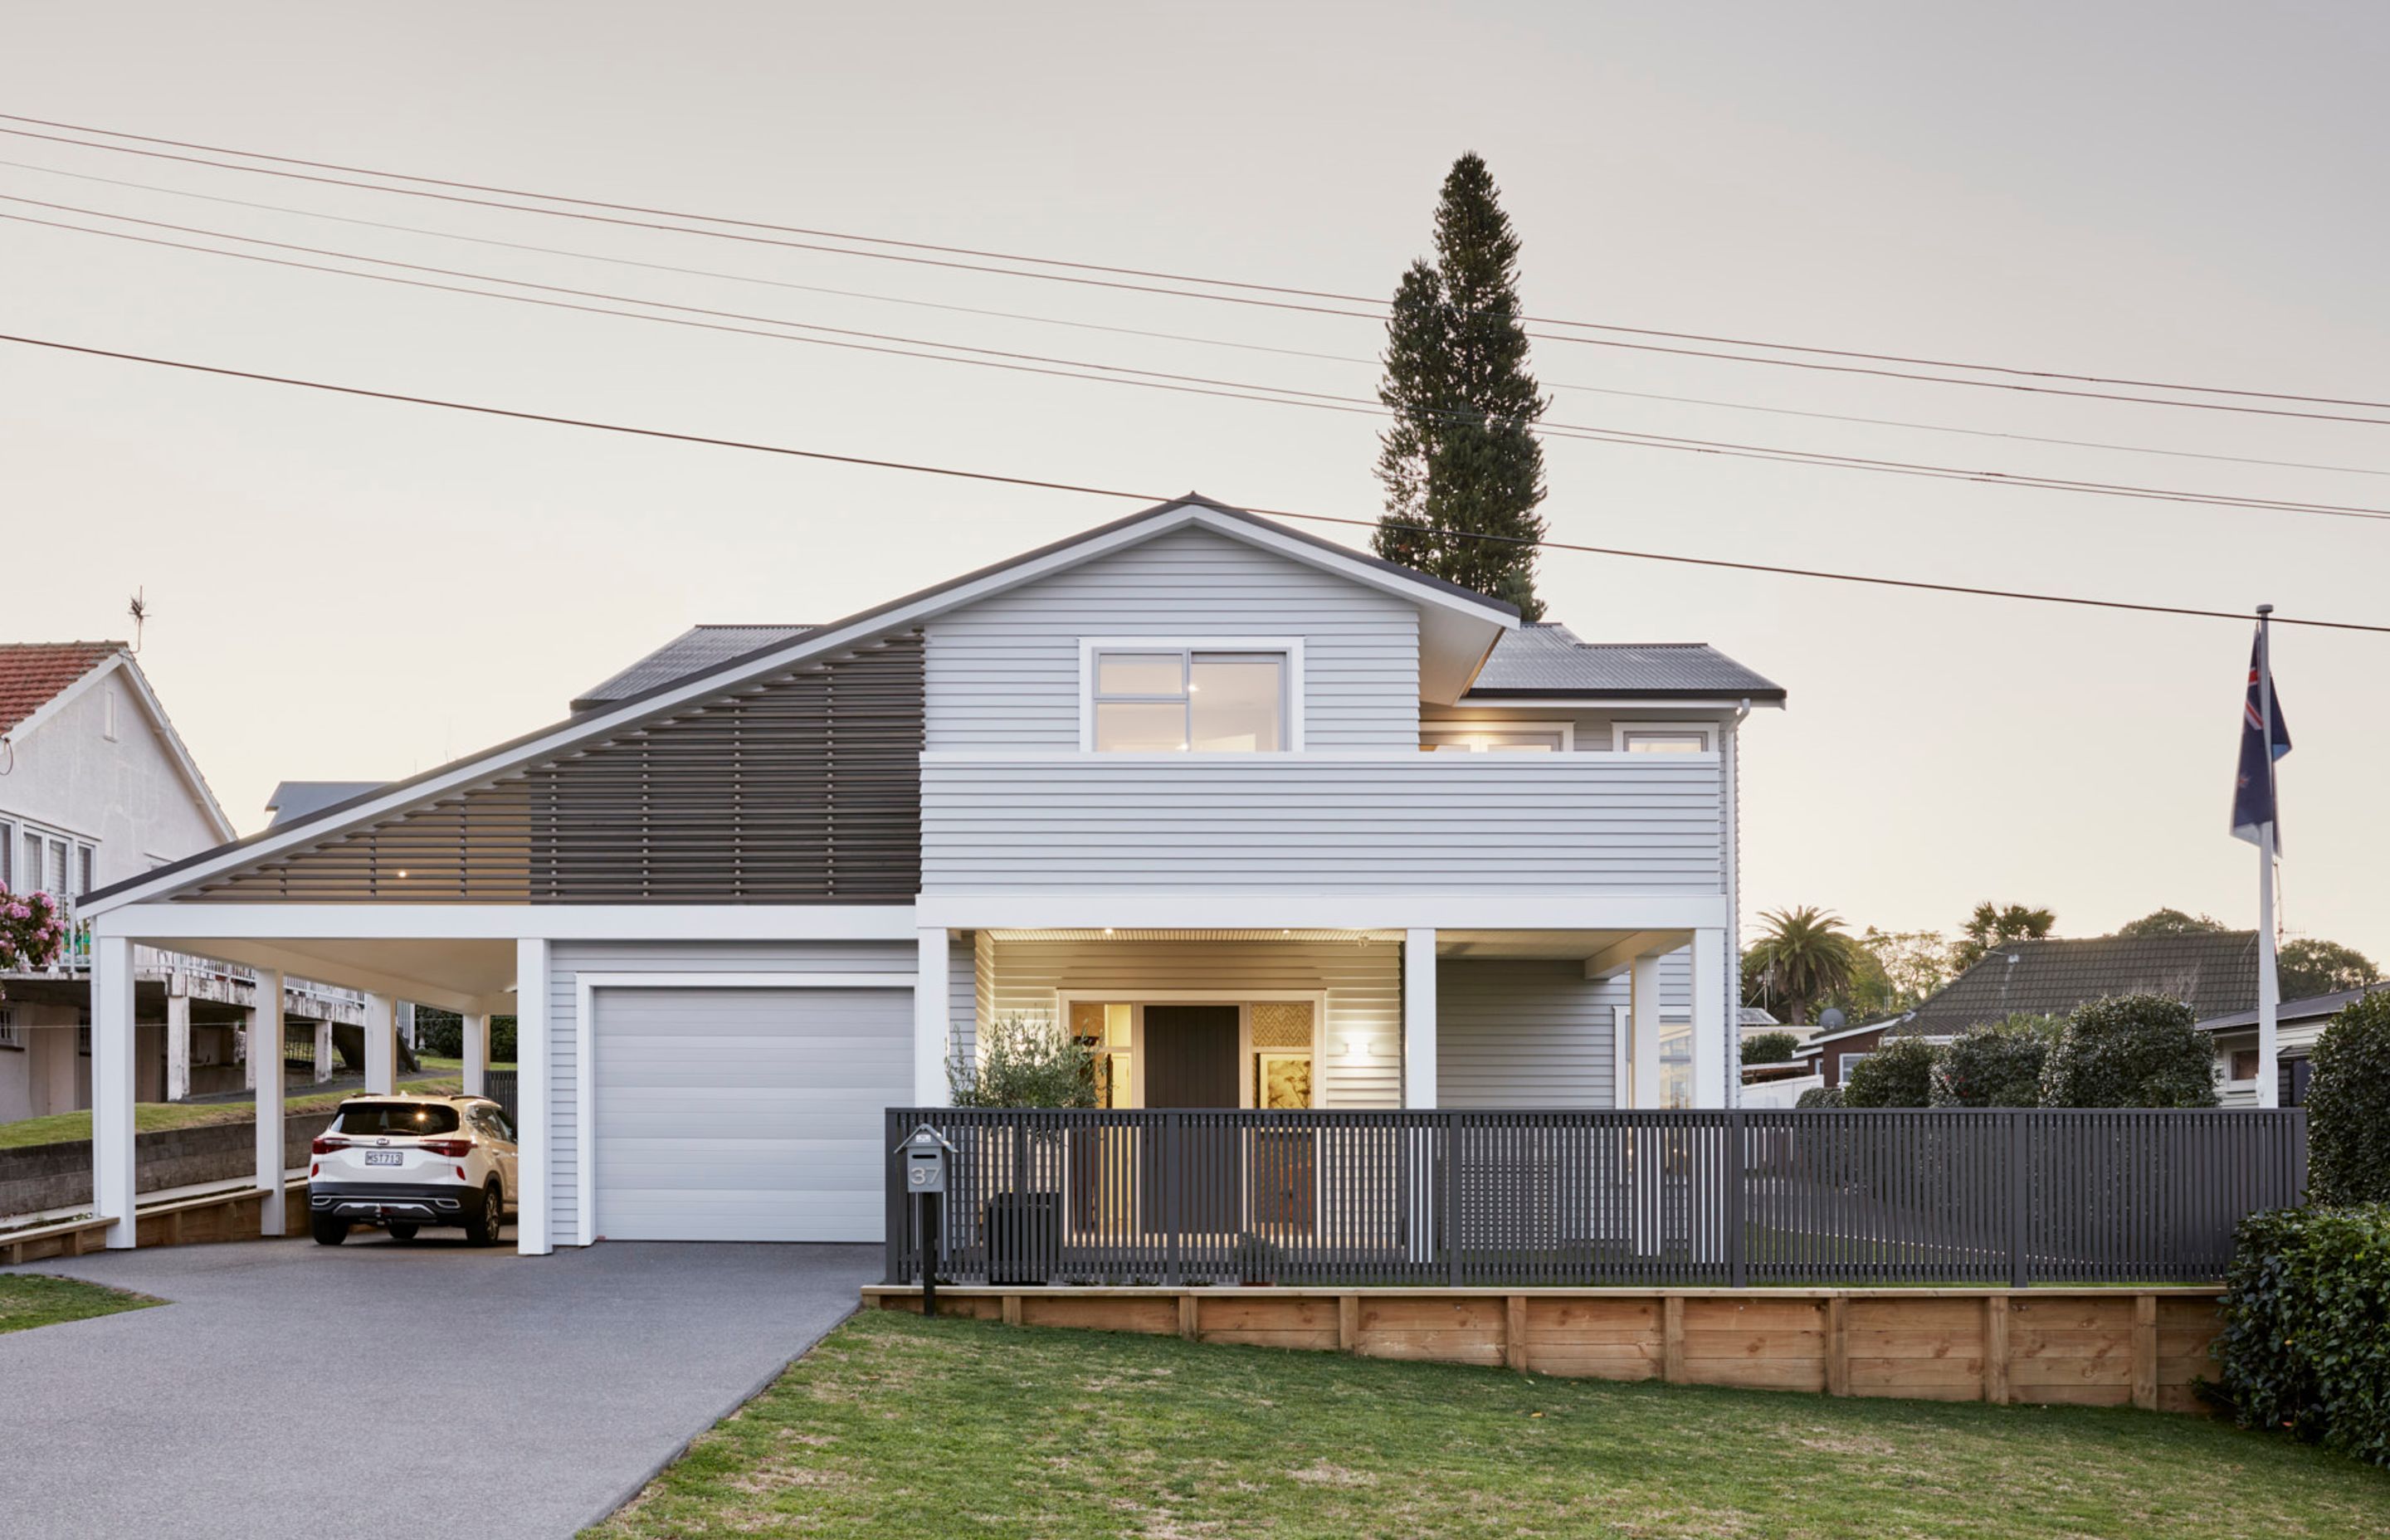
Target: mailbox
(925, 1152)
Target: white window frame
(1845, 1063)
(1438, 725)
(1619, 731)
(1136, 997)
(11, 1035)
(1291, 648)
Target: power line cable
(1144, 379)
(1187, 277)
(1374, 316)
(581, 255)
(1048, 485)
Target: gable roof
(2214, 972)
(701, 647)
(1468, 621)
(1546, 659)
(298, 799)
(35, 673)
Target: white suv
(404, 1161)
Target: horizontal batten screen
(1648, 823)
(804, 788)
(1594, 1197)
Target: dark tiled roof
(2214, 972)
(1546, 658)
(697, 649)
(32, 673)
(2313, 1008)
(298, 799)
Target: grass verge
(28, 1300)
(898, 1426)
(151, 1117)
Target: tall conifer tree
(1461, 456)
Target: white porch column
(930, 996)
(477, 1054)
(248, 1042)
(179, 1036)
(1714, 1033)
(113, 1182)
(381, 1044)
(324, 1056)
(265, 1056)
(532, 1136)
(1643, 1007)
(1418, 1018)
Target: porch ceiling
(454, 972)
(1125, 933)
(1570, 945)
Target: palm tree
(1803, 956)
(1995, 925)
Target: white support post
(930, 990)
(324, 1058)
(381, 1044)
(1419, 1018)
(248, 1042)
(476, 1053)
(533, 1136)
(113, 1177)
(1643, 1005)
(1712, 1029)
(265, 1054)
(178, 1037)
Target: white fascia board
(1237, 760)
(510, 922)
(606, 723)
(1609, 703)
(1047, 910)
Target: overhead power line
(905, 347)
(579, 255)
(1188, 278)
(1377, 316)
(1084, 489)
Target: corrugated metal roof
(2214, 972)
(699, 648)
(1546, 658)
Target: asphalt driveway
(293, 1390)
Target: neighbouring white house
(96, 788)
(1262, 819)
(2297, 1024)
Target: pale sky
(347, 589)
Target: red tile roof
(32, 673)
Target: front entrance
(1190, 1061)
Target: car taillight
(326, 1146)
(452, 1149)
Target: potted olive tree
(1025, 1062)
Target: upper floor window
(108, 712)
(1662, 737)
(1533, 737)
(1160, 699)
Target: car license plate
(384, 1158)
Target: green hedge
(2348, 1106)
(441, 1033)
(2131, 1050)
(1994, 1065)
(1899, 1073)
(2306, 1326)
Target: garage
(744, 1113)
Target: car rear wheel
(330, 1229)
(483, 1227)
(403, 1232)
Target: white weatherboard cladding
(1003, 674)
(745, 1114)
(1113, 823)
(569, 959)
(1363, 983)
(1527, 1033)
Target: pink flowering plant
(32, 931)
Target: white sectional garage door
(728, 1113)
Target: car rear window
(408, 1118)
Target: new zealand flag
(2253, 795)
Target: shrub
(441, 1033)
(1821, 1096)
(2130, 1050)
(1025, 1062)
(2348, 1106)
(1899, 1073)
(2306, 1326)
(1998, 1064)
(1770, 1047)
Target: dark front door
(1190, 1061)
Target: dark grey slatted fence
(1503, 1198)
(499, 1087)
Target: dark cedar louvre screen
(803, 788)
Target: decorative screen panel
(1282, 1025)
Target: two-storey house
(1267, 821)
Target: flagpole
(2269, 989)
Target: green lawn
(28, 1300)
(898, 1426)
(429, 1063)
(149, 1117)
